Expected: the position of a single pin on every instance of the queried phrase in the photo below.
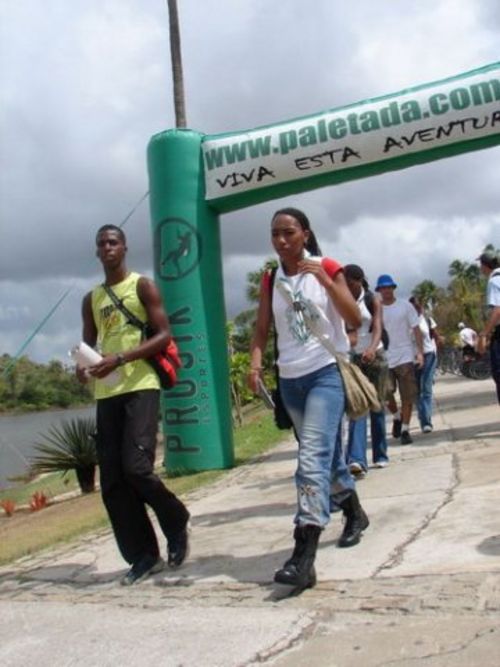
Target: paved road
(422, 588)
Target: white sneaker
(427, 429)
(355, 468)
(381, 464)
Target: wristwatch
(120, 358)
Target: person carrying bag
(310, 385)
(368, 355)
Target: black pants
(127, 426)
(495, 360)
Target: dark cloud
(86, 84)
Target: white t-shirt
(493, 289)
(429, 344)
(363, 333)
(468, 336)
(400, 318)
(300, 352)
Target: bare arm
(492, 322)
(369, 353)
(150, 297)
(438, 338)
(337, 290)
(260, 335)
(89, 333)
(419, 357)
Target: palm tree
(176, 58)
(254, 279)
(428, 293)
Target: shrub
(70, 446)
(8, 506)
(38, 501)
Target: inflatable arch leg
(188, 270)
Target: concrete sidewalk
(423, 586)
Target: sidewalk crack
(395, 558)
(302, 630)
(453, 650)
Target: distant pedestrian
(490, 267)
(425, 374)
(367, 351)
(469, 340)
(401, 321)
(127, 412)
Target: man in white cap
(401, 321)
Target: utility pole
(176, 58)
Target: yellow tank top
(115, 335)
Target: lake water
(18, 434)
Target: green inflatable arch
(195, 177)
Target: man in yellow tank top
(127, 412)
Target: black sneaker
(396, 428)
(142, 569)
(178, 547)
(406, 438)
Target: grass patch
(52, 484)
(28, 532)
(256, 436)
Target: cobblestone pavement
(422, 587)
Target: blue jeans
(315, 403)
(356, 444)
(425, 381)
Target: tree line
(462, 300)
(32, 386)
(29, 386)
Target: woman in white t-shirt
(309, 382)
(367, 352)
(425, 374)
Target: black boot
(356, 521)
(299, 570)
(298, 549)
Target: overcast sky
(84, 84)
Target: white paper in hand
(85, 356)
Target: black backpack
(369, 298)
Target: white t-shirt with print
(399, 320)
(300, 352)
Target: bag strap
(324, 339)
(131, 318)
(368, 299)
(432, 333)
(369, 303)
(272, 277)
